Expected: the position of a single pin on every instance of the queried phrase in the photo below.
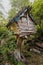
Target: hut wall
(25, 26)
(14, 28)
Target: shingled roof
(24, 10)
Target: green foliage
(3, 21)
(16, 6)
(12, 59)
(37, 11)
(7, 44)
(19, 3)
(20, 63)
(39, 34)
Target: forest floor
(35, 59)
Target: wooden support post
(19, 42)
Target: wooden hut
(22, 24)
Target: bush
(7, 44)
